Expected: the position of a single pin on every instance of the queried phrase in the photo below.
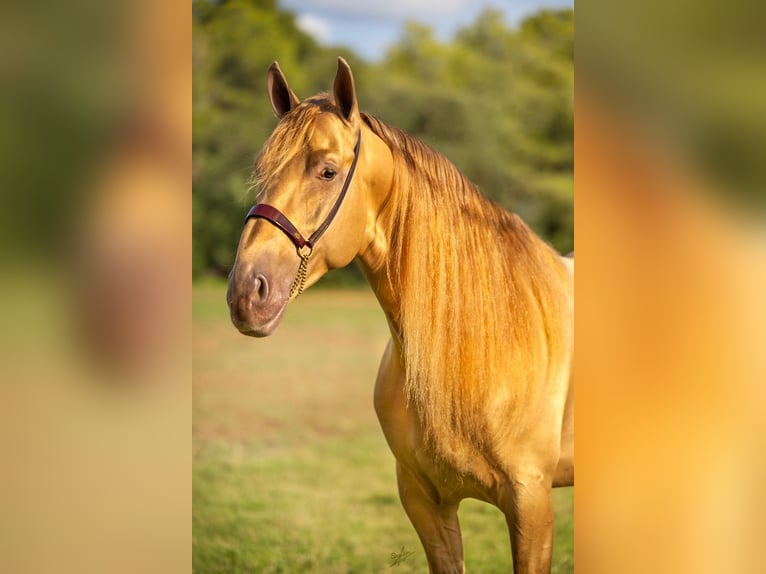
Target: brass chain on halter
(300, 278)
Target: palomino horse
(474, 391)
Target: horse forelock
(289, 138)
(482, 302)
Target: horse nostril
(260, 288)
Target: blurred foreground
(94, 346)
(671, 277)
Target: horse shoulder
(390, 399)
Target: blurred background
(95, 251)
(486, 83)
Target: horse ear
(345, 92)
(282, 97)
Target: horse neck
(390, 214)
(373, 261)
(383, 196)
(428, 207)
(473, 298)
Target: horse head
(313, 214)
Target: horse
(474, 392)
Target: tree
(497, 101)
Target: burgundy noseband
(303, 245)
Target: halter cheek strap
(304, 246)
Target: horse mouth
(253, 327)
(256, 319)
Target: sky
(368, 27)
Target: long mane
(482, 302)
(484, 305)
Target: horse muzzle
(256, 302)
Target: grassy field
(291, 471)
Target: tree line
(496, 100)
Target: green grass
(291, 472)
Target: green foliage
(497, 101)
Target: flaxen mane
(480, 293)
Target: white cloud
(396, 9)
(315, 26)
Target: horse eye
(328, 173)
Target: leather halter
(304, 246)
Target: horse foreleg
(436, 524)
(529, 513)
(564, 474)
